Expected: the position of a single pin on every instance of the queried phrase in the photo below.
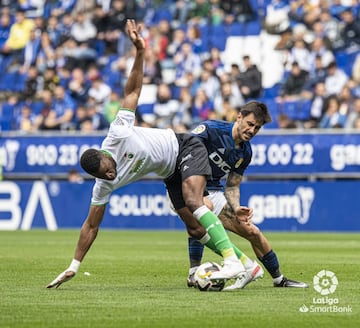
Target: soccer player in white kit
(128, 153)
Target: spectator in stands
(31, 51)
(185, 107)
(50, 80)
(346, 100)
(19, 36)
(19, 33)
(47, 54)
(180, 11)
(216, 61)
(25, 121)
(294, 83)
(350, 33)
(202, 107)
(186, 60)
(166, 109)
(229, 94)
(162, 39)
(77, 54)
(97, 118)
(178, 38)
(332, 118)
(5, 26)
(152, 67)
(250, 80)
(32, 84)
(74, 176)
(100, 92)
(120, 10)
(112, 107)
(304, 11)
(193, 36)
(80, 116)
(237, 10)
(299, 53)
(52, 29)
(62, 7)
(317, 106)
(353, 119)
(83, 30)
(62, 110)
(228, 113)
(318, 50)
(46, 98)
(317, 75)
(335, 79)
(78, 86)
(208, 81)
(199, 13)
(284, 122)
(276, 20)
(331, 28)
(100, 19)
(65, 27)
(317, 31)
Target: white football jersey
(137, 151)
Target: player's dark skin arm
(95, 216)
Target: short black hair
(90, 160)
(259, 110)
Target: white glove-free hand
(68, 274)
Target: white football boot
(252, 274)
(231, 269)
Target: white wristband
(74, 266)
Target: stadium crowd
(63, 64)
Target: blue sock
(196, 250)
(271, 263)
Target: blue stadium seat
(252, 28)
(218, 36)
(236, 29)
(145, 108)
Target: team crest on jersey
(199, 129)
(238, 163)
(129, 156)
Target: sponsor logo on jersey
(137, 166)
(199, 129)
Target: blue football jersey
(223, 156)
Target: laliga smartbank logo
(325, 283)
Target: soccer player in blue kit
(229, 150)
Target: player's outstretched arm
(88, 234)
(134, 83)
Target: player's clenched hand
(61, 278)
(244, 214)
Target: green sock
(243, 258)
(216, 231)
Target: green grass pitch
(137, 279)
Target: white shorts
(218, 199)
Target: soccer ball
(202, 277)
